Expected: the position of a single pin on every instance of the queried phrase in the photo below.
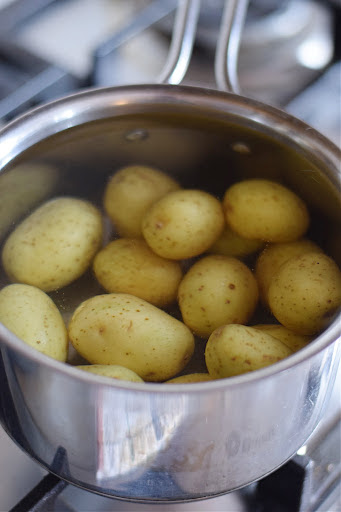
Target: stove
(289, 57)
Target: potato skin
(305, 293)
(273, 256)
(54, 245)
(32, 316)
(265, 210)
(291, 339)
(235, 349)
(130, 192)
(217, 290)
(114, 371)
(124, 330)
(231, 244)
(21, 189)
(183, 224)
(130, 266)
(190, 378)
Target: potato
(291, 339)
(32, 316)
(130, 192)
(130, 266)
(235, 349)
(231, 244)
(273, 256)
(183, 224)
(190, 378)
(25, 186)
(113, 371)
(265, 210)
(216, 291)
(305, 293)
(54, 245)
(128, 331)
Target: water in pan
(198, 152)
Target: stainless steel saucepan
(152, 442)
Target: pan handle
(183, 38)
(226, 55)
(227, 50)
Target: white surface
(18, 473)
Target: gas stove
(50, 48)
(289, 58)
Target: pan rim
(90, 101)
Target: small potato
(54, 245)
(305, 293)
(273, 256)
(113, 371)
(32, 316)
(291, 339)
(216, 291)
(265, 210)
(124, 330)
(130, 192)
(231, 244)
(22, 188)
(130, 266)
(183, 224)
(235, 349)
(190, 378)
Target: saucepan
(152, 442)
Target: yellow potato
(291, 339)
(216, 291)
(273, 256)
(22, 188)
(305, 293)
(235, 349)
(113, 371)
(265, 210)
(183, 224)
(130, 266)
(54, 245)
(128, 331)
(32, 316)
(130, 192)
(231, 244)
(190, 378)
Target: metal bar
(19, 12)
(30, 91)
(151, 14)
(227, 50)
(42, 496)
(183, 38)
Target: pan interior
(199, 151)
